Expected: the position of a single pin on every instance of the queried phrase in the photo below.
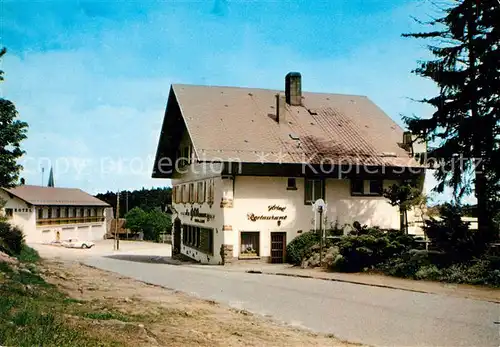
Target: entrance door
(278, 247)
(177, 236)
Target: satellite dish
(319, 205)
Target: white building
(246, 165)
(47, 214)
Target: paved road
(370, 315)
(104, 248)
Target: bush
(28, 255)
(373, 246)
(435, 266)
(11, 239)
(300, 246)
(409, 263)
(428, 272)
(483, 271)
(452, 235)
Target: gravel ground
(364, 314)
(164, 317)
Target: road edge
(259, 272)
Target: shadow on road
(153, 259)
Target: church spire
(51, 178)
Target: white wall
(26, 221)
(256, 194)
(251, 194)
(83, 231)
(48, 233)
(216, 223)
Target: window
(58, 212)
(249, 244)
(40, 212)
(376, 187)
(185, 156)
(184, 234)
(209, 234)
(373, 187)
(201, 192)
(49, 214)
(192, 193)
(357, 187)
(199, 238)
(211, 192)
(184, 193)
(190, 235)
(292, 184)
(314, 190)
(9, 213)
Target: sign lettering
(195, 213)
(276, 208)
(253, 217)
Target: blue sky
(92, 78)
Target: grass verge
(35, 313)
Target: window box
(249, 244)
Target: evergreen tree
(465, 44)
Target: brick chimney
(293, 89)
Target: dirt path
(163, 317)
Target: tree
(465, 124)
(146, 199)
(451, 235)
(134, 219)
(151, 223)
(157, 223)
(405, 196)
(12, 132)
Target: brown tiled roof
(230, 123)
(38, 195)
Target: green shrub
(421, 265)
(372, 246)
(408, 263)
(483, 271)
(11, 239)
(452, 235)
(28, 255)
(300, 247)
(428, 272)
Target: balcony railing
(69, 220)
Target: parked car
(75, 243)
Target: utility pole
(117, 238)
(43, 169)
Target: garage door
(97, 233)
(82, 233)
